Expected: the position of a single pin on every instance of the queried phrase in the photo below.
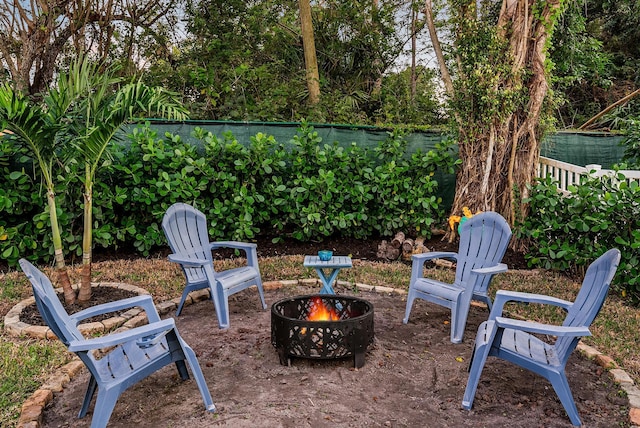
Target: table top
(333, 262)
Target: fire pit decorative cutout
(323, 326)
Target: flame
(320, 312)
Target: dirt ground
(413, 377)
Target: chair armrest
(491, 270)
(185, 261)
(535, 327)
(144, 301)
(122, 337)
(418, 261)
(423, 257)
(233, 244)
(249, 248)
(503, 297)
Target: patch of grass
(11, 287)
(25, 364)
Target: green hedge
(569, 232)
(306, 189)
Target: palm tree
(38, 129)
(95, 123)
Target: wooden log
(393, 253)
(444, 263)
(419, 247)
(397, 240)
(407, 249)
(407, 245)
(382, 249)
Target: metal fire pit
(293, 335)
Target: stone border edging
(32, 408)
(14, 327)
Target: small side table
(333, 266)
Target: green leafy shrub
(306, 190)
(569, 232)
(631, 143)
(326, 190)
(242, 182)
(404, 190)
(25, 229)
(146, 177)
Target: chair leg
(561, 386)
(221, 303)
(411, 297)
(483, 298)
(459, 314)
(458, 322)
(261, 292)
(105, 402)
(182, 370)
(198, 376)
(484, 340)
(185, 293)
(91, 389)
(489, 304)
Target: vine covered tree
(497, 84)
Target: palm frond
(105, 113)
(31, 126)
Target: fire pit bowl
(323, 326)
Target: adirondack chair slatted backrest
(186, 231)
(589, 300)
(57, 318)
(483, 242)
(48, 303)
(187, 234)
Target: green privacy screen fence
(344, 135)
(578, 148)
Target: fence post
(594, 169)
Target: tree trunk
(61, 269)
(309, 46)
(397, 240)
(414, 17)
(84, 295)
(499, 158)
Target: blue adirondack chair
(124, 358)
(186, 230)
(483, 242)
(514, 340)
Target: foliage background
(310, 190)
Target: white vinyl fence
(567, 174)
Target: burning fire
(320, 312)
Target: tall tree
(245, 60)
(309, 47)
(101, 110)
(497, 88)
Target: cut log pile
(401, 247)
